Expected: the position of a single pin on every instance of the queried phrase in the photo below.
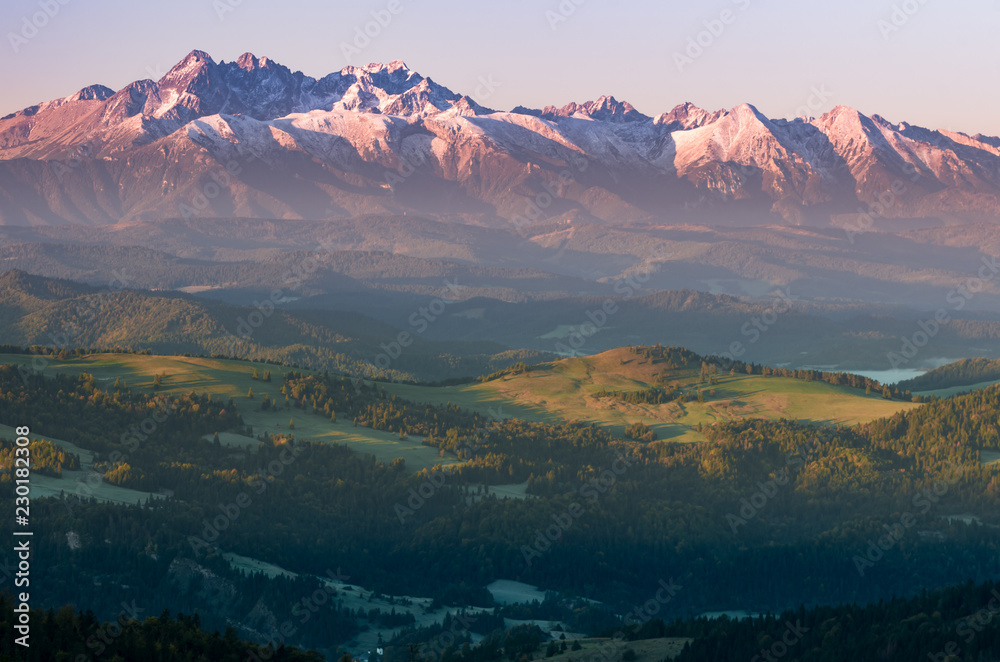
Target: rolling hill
(954, 376)
(596, 389)
(599, 389)
(64, 315)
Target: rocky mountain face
(251, 138)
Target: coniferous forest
(769, 515)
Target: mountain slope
(252, 138)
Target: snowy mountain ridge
(340, 144)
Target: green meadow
(555, 392)
(566, 391)
(233, 379)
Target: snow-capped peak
(687, 116)
(358, 116)
(192, 62)
(91, 93)
(604, 108)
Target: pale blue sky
(939, 69)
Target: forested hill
(763, 516)
(950, 625)
(960, 373)
(67, 315)
(70, 635)
(261, 270)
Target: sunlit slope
(233, 379)
(571, 389)
(588, 389)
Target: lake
(888, 376)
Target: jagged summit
(688, 116)
(327, 143)
(92, 93)
(605, 108)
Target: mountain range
(251, 138)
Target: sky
(927, 62)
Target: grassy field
(77, 483)
(234, 379)
(250, 566)
(353, 596)
(958, 390)
(556, 392)
(565, 391)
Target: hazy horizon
(870, 56)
